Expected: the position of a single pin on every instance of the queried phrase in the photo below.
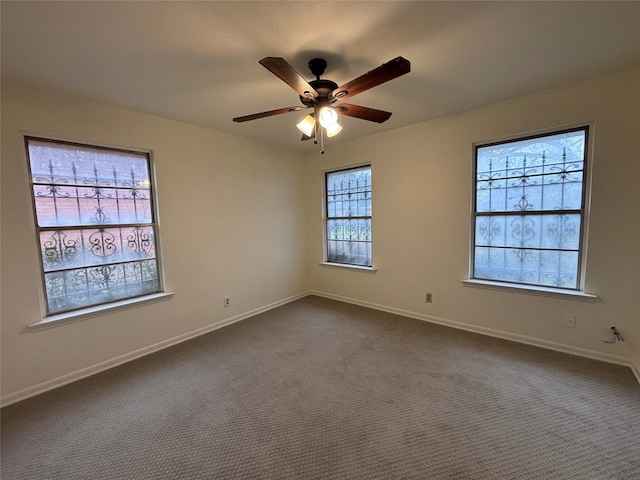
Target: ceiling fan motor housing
(323, 87)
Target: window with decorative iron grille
(95, 222)
(529, 209)
(348, 216)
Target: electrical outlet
(569, 320)
(428, 298)
(226, 302)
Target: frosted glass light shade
(333, 130)
(306, 125)
(328, 117)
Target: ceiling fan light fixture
(307, 125)
(333, 130)
(327, 117)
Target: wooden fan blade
(385, 72)
(365, 113)
(285, 72)
(270, 113)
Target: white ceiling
(197, 62)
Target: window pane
(348, 226)
(563, 192)
(355, 230)
(551, 231)
(542, 179)
(349, 241)
(95, 222)
(349, 193)
(354, 253)
(70, 206)
(83, 287)
(561, 232)
(543, 173)
(491, 195)
(530, 193)
(529, 266)
(68, 164)
(63, 249)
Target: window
(95, 223)
(348, 208)
(529, 210)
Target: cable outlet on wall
(428, 298)
(569, 320)
(226, 302)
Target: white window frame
(55, 319)
(326, 262)
(578, 293)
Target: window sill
(95, 311)
(349, 267)
(532, 290)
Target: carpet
(319, 389)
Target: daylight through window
(529, 209)
(348, 208)
(95, 223)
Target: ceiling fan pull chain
(321, 139)
(316, 133)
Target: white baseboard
(536, 342)
(127, 357)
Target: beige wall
(231, 225)
(636, 350)
(255, 232)
(421, 219)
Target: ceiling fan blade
(385, 72)
(281, 69)
(270, 113)
(365, 113)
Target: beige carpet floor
(319, 389)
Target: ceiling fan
(322, 94)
